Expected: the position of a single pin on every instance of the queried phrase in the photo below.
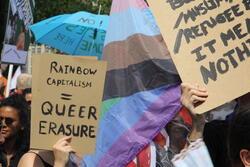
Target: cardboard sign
(209, 42)
(16, 41)
(66, 99)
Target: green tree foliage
(49, 8)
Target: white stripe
(153, 155)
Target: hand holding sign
(192, 96)
(63, 105)
(209, 43)
(61, 151)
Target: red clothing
(143, 159)
(3, 83)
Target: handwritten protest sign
(17, 36)
(209, 42)
(67, 94)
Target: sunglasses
(29, 102)
(6, 120)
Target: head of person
(14, 119)
(20, 41)
(239, 139)
(27, 95)
(178, 129)
(24, 81)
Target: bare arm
(193, 95)
(61, 151)
(30, 160)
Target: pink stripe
(121, 5)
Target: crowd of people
(15, 113)
(227, 140)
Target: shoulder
(30, 159)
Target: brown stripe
(134, 50)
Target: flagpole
(100, 9)
(7, 93)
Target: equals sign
(65, 96)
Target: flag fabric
(196, 155)
(142, 92)
(146, 158)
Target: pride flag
(142, 91)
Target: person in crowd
(3, 83)
(20, 44)
(59, 157)
(177, 130)
(239, 139)
(213, 133)
(24, 81)
(27, 95)
(216, 134)
(2, 89)
(14, 133)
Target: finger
(64, 143)
(202, 88)
(196, 86)
(69, 149)
(187, 86)
(60, 140)
(63, 139)
(198, 93)
(59, 146)
(195, 99)
(68, 139)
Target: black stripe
(147, 75)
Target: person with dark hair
(61, 156)
(27, 95)
(14, 125)
(239, 139)
(228, 141)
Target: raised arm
(192, 96)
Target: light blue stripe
(129, 22)
(120, 118)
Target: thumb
(68, 139)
